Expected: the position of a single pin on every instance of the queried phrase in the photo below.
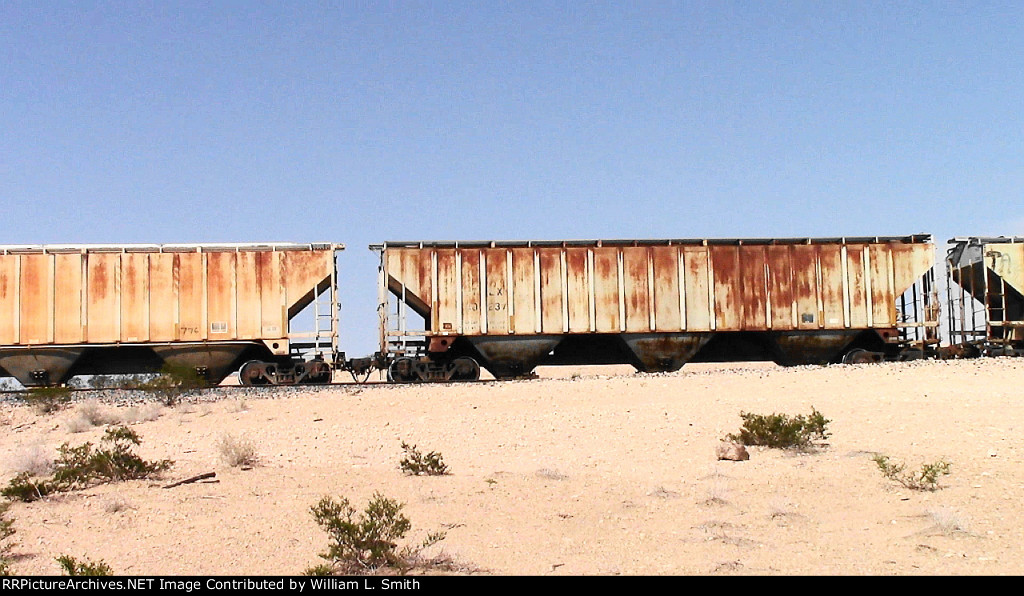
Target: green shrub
(116, 461)
(24, 487)
(927, 478)
(47, 400)
(6, 531)
(79, 467)
(417, 464)
(368, 541)
(72, 566)
(781, 430)
(320, 570)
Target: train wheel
(252, 373)
(402, 370)
(465, 369)
(862, 356)
(318, 373)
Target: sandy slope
(583, 474)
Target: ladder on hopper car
(323, 337)
(996, 324)
(965, 312)
(325, 329)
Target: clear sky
(360, 122)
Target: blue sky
(359, 122)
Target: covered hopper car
(447, 310)
(94, 310)
(655, 304)
(985, 301)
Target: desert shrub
(26, 487)
(71, 566)
(77, 424)
(238, 405)
(117, 505)
(89, 415)
(78, 467)
(927, 478)
(6, 531)
(145, 413)
(237, 452)
(949, 521)
(321, 570)
(367, 542)
(34, 459)
(417, 464)
(46, 400)
(781, 430)
(96, 414)
(173, 382)
(113, 462)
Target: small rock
(732, 451)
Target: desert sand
(580, 472)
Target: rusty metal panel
(665, 262)
(67, 299)
(394, 262)
(606, 290)
(805, 287)
(273, 314)
(577, 289)
(426, 276)
(696, 288)
(401, 268)
(636, 289)
(754, 287)
(411, 268)
(102, 313)
(472, 316)
(857, 289)
(417, 269)
(163, 297)
(524, 295)
(36, 299)
(191, 296)
(448, 317)
(910, 263)
(833, 282)
(782, 311)
(497, 290)
(728, 286)
(304, 272)
(247, 307)
(551, 290)
(134, 297)
(883, 297)
(9, 299)
(220, 294)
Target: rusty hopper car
(986, 295)
(446, 308)
(89, 310)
